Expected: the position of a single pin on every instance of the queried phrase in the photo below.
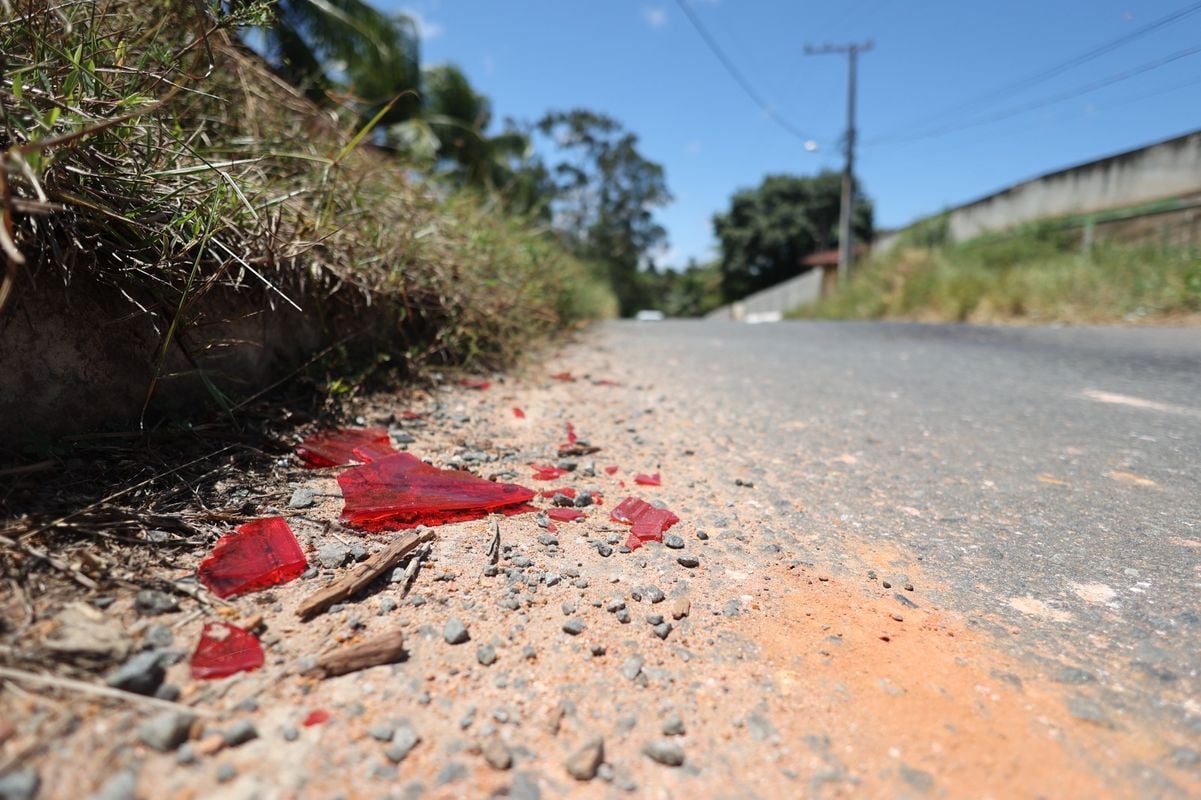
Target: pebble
(403, 742)
(122, 786)
(623, 615)
(301, 498)
(673, 724)
(382, 731)
(632, 667)
(653, 594)
(598, 650)
(905, 601)
(165, 731)
(150, 602)
(704, 537)
(583, 499)
(568, 609)
(141, 674)
(168, 691)
(387, 605)
(496, 753)
(455, 631)
(614, 605)
(20, 785)
(897, 617)
(529, 653)
(332, 555)
(674, 542)
(486, 655)
(665, 752)
(584, 762)
(604, 550)
(547, 540)
(226, 773)
(580, 583)
(573, 627)
(451, 773)
(680, 607)
(525, 787)
(688, 561)
(290, 733)
(241, 732)
(186, 754)
(663, 629)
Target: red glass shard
(336, 447)
(605, 382)
(571, 437)
(564, 376)
(407, 414)
(564, 490)
(552, 527)
(648, 480)
(647, 523)
(517, 412)
(565, 514)
(366, 453)
(257, 555)
(223, 650)
(612, 470)
(545, 472)
(402, 491)
(316, 717)
(476, 383)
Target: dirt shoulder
(786, 671)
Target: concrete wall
(781, 298)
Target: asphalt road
(1046, 482)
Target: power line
(737, 75)
(1059, 98)
(1047, 73)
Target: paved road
(1046, 481)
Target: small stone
(165, 731)
(359, 553)
(704, 537)
(185, 755)
(688, 561)
(451, 773)
(573, 627)
(20, 785)
(597, 650)
(604, 550)
(141, 674)
(653, 594)
(122, 786)
(496, 753)
(249, 705)
(663, 629)
(226, 773)
(332, 555)
(665, 752)
(387, 605)
(486, 655)
(547, 540)
(301, 498)
(886, 584)
(568, 609)
(654, 619)
(290, 733)
(674, 542)
(905, 601)
(632, 667)
(168, 691)
(150, 603)
(673, 724)
(241, 732)
(583, 763)
(680, 607)
(455, 632)
(614, 605)
(403, 742)
(897, 617)
(623, 615)
(528, 652)
(382, 731)
(580, 583)
(525, 787)
(583, 499)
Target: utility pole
(845, 251)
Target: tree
(769, 229)
(605, 195)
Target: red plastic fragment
(257, 555)
(648, 480)
(647, 523)
(612, 470)
(565, 514)
(545, 472)
(316, 717)
(564, 490)
(402, 491)
(223, 650)
(564, 376)
(517, 412)
(337, 447)
(478, 384)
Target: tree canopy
(769, 229)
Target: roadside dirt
(791, 671)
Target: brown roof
(825, 258)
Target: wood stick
(363, 575)
(385, 649)
(410, 575)
(100, 691)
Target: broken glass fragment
(564, 376)
(565, 514)
(571, 437)
(545, 472)
(605, 382)
(315, 717)
(402, 491)
(223, 650)
(647, 523)
(566, 490)
(257, 555)
(337, 447)
(517, 412)
(479, 384)
(648, 480)
(612, 469)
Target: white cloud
(654, 16)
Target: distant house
(827, 261)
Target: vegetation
(150, 154)
(770, 228)
(1037, 273)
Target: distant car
(650, 315)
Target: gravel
(574, 626)
(226, 773)
(496, 753)
(486, 655)
(403, 742)
(122, 786)
(141, 674)
(680, 607)
(688, 561)
(663, 629)
(665, 752)
(632, 667)
(301, 498)
(150, 602)
(455, 632)
(653, 594)
(240, 733)
(674, 542)
(165, 731)
(673, 724)
(20, 785)
(332, 555)
(583, 763)
(382, 731)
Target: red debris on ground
(225, 649)
(478, 384)
(564, 376)
(406, 414)
(571, 437)
(552, 527)
(565, 514)
(517, 412)
(647, 522)
(257, 555)
(605, 382)
(648, 480)
(612, 470)
(316, 718)
(337, 447)
(545, 472)
(402, 491)
(565, 490)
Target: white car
(650, 315)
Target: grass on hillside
(1035, 274)
(148, 152)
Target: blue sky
(643, 63)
